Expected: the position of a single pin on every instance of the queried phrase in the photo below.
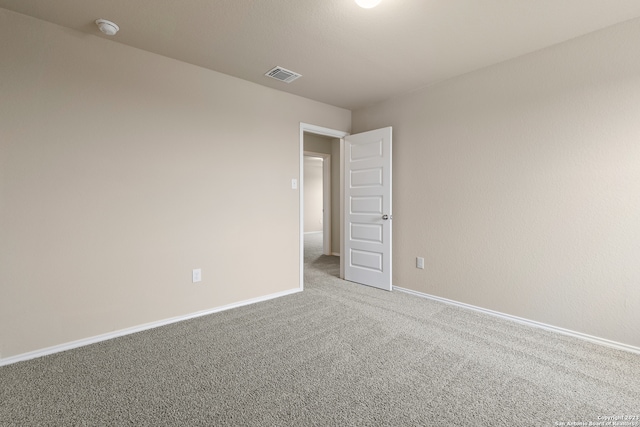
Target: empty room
(471, 256)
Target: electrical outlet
(196, 275)
(420, 262)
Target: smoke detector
(107, 27)
(282, 74)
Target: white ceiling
(348, 56)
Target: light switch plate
(196, 275)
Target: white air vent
(282, 74)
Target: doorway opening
(364, 233)
(318, 195)
(325, 144)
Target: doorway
(320, 189)
(364, 204)
(327, 144)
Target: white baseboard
(313, 232)
(139, 328)
(335, 253)
(580, 335)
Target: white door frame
(318, 130)
(326, 199)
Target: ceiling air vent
(282, 74)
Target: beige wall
(121, 171)
(313, 194)
(520, 185)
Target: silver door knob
(386, 217)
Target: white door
(367, 201)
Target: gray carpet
(338, 354)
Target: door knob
(386, 217)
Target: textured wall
(520, 185)
(121, 171)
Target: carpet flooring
(337, 354)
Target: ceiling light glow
(368, 4)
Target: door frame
(326, 198)
(334, 133)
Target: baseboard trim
(574, 334)
(104, 337)
(335, 253)
(313, 232)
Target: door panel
(364, 205)
(368, 201)
(366, 232)
(366, 178)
